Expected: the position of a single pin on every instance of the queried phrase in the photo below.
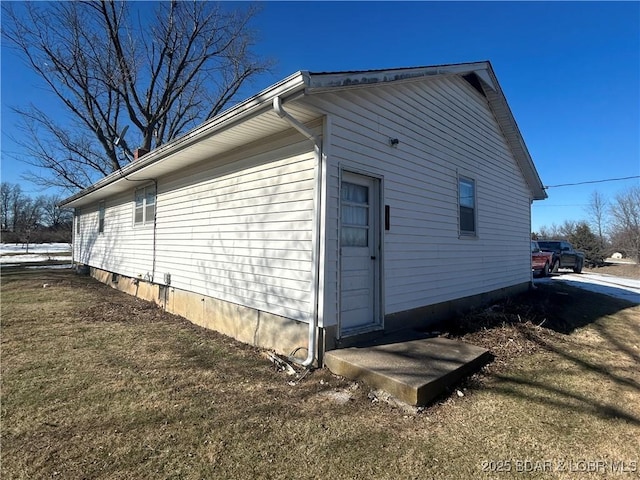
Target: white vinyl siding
(121, 248)
(238, 228)
(243, 232)
(443, 126)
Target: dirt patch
(619, 270)
(133, 311)
(523, 325)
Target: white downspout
(313, 324)
(532, 285)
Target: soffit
(205, 147)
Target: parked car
(540, 261)
(564, 256)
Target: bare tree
(20, 213)
(597, 211)
(30, 213)
(567, 229)
(25, 218)
(16, 200)
(549, 233)
(6, 201)
(53, 216)
(558, 232)
(625, 225)
(113, 64)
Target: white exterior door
(359, 251)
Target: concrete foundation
(431, 314)
(284, 335)
(248, 325)
(420, 318)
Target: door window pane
(354, 237)
(355, 193)
(355, 215)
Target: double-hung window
(145, 205)
(467, 206)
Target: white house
(327, 206)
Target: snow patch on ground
(7, 260)
(16, 253)
(624, 288)
(18, 248)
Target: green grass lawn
(98, 384)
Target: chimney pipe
(139, 153)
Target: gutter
(317, 144)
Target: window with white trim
(467, 206)
(77, 215)
(101, 214)
(145, 205)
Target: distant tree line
(611, 226)
(27, 219)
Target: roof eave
(304, 82)
(252, 106)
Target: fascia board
(324, 82)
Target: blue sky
(570, 72)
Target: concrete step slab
(415, 371)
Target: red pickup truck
(540, 261)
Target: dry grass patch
(97, 384)
(619, 270)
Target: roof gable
(479, 75)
